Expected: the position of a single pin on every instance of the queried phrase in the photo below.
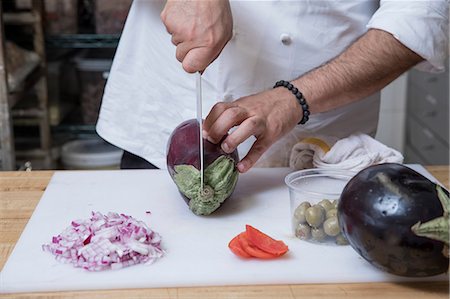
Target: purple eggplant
(183, 164)
(397, 220)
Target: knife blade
(200, 124)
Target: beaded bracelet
(301, 100)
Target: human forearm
(369, 64)
(365, 67)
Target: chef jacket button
(286, 39)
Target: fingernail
(205, 134)
(225, 147)
(242, 167)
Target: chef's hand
(199, 29)
(268, 116)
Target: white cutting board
(197, 252)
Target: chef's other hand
(199, 29)
(268, 116)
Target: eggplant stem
(220, 179)
(444, 199)
(437, 228)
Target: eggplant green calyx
(437, 228)
(220, 178)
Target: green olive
(341, 240)
(331, 213)
(299, 212)
(303, 231)
(326, 204)
(331, 226)
(315, 215)
(318, 234)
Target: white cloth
(148, 93)
(352, 153)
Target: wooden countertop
(21, 191)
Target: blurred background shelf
(23, 76)
(83, 41)
(25, 82)
(20, 18)
(427, 121)
(56, 98)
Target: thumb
(198, 59)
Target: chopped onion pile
(111, 241)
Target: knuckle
(221, 106)
(276, 129)
(232, 141)
(210, 41)
(189, 35)
(256, 124)
(234, 113)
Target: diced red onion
(111, 241)
(75, 224)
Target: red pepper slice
(253, 250)
(235, 247)
(264, 242)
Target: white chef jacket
(148, 93)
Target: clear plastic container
(90, 154)
(314, 194)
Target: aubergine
(397, 220)
(183, 163)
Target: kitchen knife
(200, 123)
